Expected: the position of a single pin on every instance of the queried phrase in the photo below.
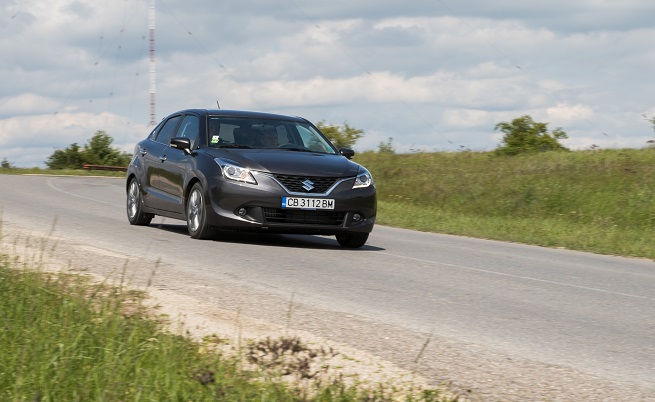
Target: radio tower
(153, 80)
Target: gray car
(249, 171)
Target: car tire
(352, 240)
(196, 214)
(135, 205)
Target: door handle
(143, 151)
(162, 158)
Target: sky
(424, 76)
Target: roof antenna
(218, 104)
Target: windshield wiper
(298, 149)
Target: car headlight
(363, 179)
(234, 172)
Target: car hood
(289, 162)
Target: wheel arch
(187, 191)
(129, 178)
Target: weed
(289, 356)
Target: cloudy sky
(433, 75)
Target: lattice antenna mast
(152, 70)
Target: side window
(168, 130)
(190, 129)
(154, 131)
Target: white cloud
(26, 103)
(466, 118)
(38, 136)
(564, 113)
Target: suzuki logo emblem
(308, 185)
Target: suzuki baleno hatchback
(249, 171)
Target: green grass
(598, 201)
(64, 338)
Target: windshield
(242, 132)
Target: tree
(97, 151)
(341, 136)
(5, 164)
(524, 135)
(69, 158)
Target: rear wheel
(352, 240)
(196, 214)
(135, 207)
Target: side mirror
(347, 152)
(181, 143)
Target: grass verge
(597, 201)
(65, 338)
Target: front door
(175, 165)
(154, 158)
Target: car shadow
(268, 239)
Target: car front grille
(304, 217)
(295, 184)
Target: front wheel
(196, 214)
(352, 240)
(135, 207)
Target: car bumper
(241, 206)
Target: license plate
(307, 203)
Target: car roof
(242, 113)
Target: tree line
(521, 135)
(97, 151)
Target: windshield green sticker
(215, 139)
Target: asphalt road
(524, 310)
